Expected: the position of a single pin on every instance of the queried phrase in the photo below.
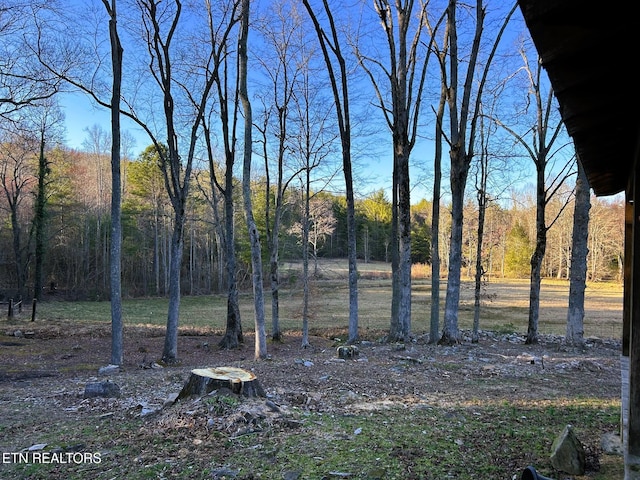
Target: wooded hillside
(78, 222)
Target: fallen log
(203, 381)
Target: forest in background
(76, 262)
(265, 122)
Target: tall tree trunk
(115, 249)
(463, 117)
(40, 222)
(395, 326)
(170, 351)
(434, 324)
(354, 335)
(219, 238)
(482, 210)
(401, 328)
(340, 89)
(459, 172)
(401, 116)
(305, 262)
(274, 274)
(254, 237)
(578, 267)
(537, 257)
(233, 333)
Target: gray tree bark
(176, 167)
(481, 188)
(233, 336)
(460, 163)
(462, 117)
(406, 77)
(306, 222)
(115, 249)
(538, 253)
(434, 323)
(340, 88)
(227, 111)
(579, 253)
(254, 236)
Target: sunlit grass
(504, 304)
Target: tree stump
(205, 380)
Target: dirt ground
(46, 368)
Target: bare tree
(312, 143)
(115, 249)
(283, 61)
(61, 72)
(254, 237)
(330, 44)
(23, 80)
(463, 118)
(579, 253)
(544, 134)
(18, 180)
(483, 199)
(160, 24)
(176, 175)
(434, 317)
(405, 74)
(220, 26)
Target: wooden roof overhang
(589, 52)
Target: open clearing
(414, 411)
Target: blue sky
(81, 113)
(372, 170)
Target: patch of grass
(427, 442)
(474, 439)
(505, 305)
(220, 405)
(506, 328)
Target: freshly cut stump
(205, 380)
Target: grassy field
(504, 306)
(490, 428)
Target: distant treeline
(77, 225)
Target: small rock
(612, 444)
(170, 400)
(36, 447)
(224, 473)
(567, 453)
(272, 406)
(101, 389)
(109, 369)
(147, 411)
